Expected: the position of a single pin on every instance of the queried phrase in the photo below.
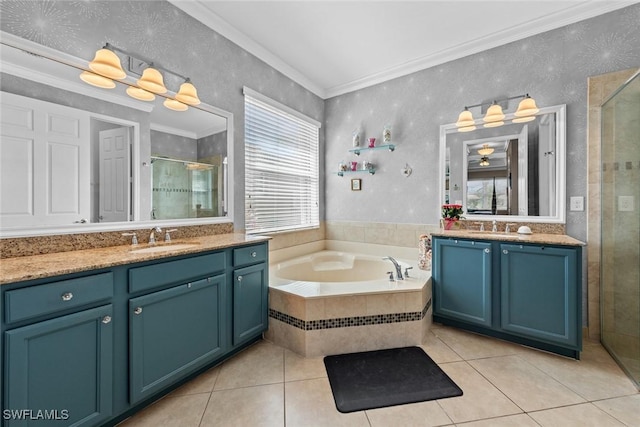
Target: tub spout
(397, 266)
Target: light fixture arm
(146, 60)
(496, 101)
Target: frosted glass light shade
(152, 81)
(466, 129)
(465, 119)
(141, 94)
(188, 94)
(493, 124)
(485, 150)
(527, 107)
(97, 80)
(174, 105)
(494, 114)
(523, 119)
(106, 63)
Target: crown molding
(569, 15)
(197, 10)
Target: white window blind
(281, 167)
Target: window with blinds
(281, 167)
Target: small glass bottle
(356, 138)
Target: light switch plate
(625, 203)
(576, 203)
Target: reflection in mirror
(75, 156)
(515, 171)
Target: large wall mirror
(515, 172)
(76, 158)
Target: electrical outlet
(576, 203)
(625, 203)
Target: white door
(44, 163)
(114, 173)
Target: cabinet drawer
(26, 303)
(180, 271)
(249, 255)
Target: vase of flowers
(451, 215)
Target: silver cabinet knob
(137, 310)
(239, 278)
(487, 250)
(504, 251)
(67, 296)
(106, 319)
(254, 254)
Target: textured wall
(553, 67)
(159, 31)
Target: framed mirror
(515, 172)
(76, 158)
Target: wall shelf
(372, 171)
(358, 150)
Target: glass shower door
(620, 241)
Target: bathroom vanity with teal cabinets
(525, 290)
(91, 347)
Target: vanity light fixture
(485, 150)
(484, 161)
(106, 67)
(139, 93)
(106, 63)
(494, 117)
(152, 80)
(97, 80)
(174, 105)
(188, 94)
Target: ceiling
(335, 47)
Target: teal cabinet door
(173, 332)
(462, 280)
(540, 293)
(250, 302)
(59, 372)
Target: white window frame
(282, 190)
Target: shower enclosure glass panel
(620, 245)
(183, 189)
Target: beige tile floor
(504, 385)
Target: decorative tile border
(346, 322)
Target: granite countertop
(550, 239)
(48, 265)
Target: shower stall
(620, 235)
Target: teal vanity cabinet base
(526, 293)
(104, 344)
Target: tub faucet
(152, 236)
(397, 266)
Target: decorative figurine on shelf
(372, 142)
(342, 167)
(367, 166)
(354, 166)
(386, 135)
(451, 214)
(356, 138)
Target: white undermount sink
(164, 248)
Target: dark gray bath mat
(375, 379)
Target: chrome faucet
(397, 266)
(152, 236)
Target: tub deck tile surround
(360, 316)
